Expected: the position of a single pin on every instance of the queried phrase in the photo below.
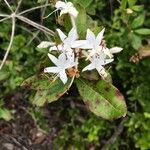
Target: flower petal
(115, 49)
(53, 59)
(107, 61)
(83, 44)
(107, 52)
(90, 36)
(62, 58)
(61, 35)
(72, 36)
(89, 67)
(52, 70)
(63, 76)
(73, 12)
(60, 4)
(45, 44)
(100, 37)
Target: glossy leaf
(103, 100)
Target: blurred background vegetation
(127, 25)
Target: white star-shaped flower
(67, 42)
(94, 44)
(62, 63)
(66, 7)
(97, 62)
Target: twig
(5, 19)
(13, 140)
(8, 6)
(34, 8)
(36, 25)
(11, 41)
(4, 15)
(28, 31)
(36, 34)
(116, 134)
(43, 11)
(19, 4)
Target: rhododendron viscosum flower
(62, 63)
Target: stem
(36, 25)
(11, 41)
(73, 22)
(8, 6)
(34, 8)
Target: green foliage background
(128, 30)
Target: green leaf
(103, 99)
(142, 31)
(123, 4)
(84, 3)
(5, 114)
(138, 8)
(137, 22)
(81, 22)
(46, 90)
(136, 41)
(131, 2)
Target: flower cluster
(92, 48)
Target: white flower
(66, 7)
(95, 46)
(67, 42)
(97, 62)
(62, 63)
(45, 44)
(92, 42)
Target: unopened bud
(129, 11)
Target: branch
(19, 4)
(116, 134)
(4, 15)
(34, 8)
(11, 41)
(36, 25)
(8, 6)
(5, 19)
(30, 32)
